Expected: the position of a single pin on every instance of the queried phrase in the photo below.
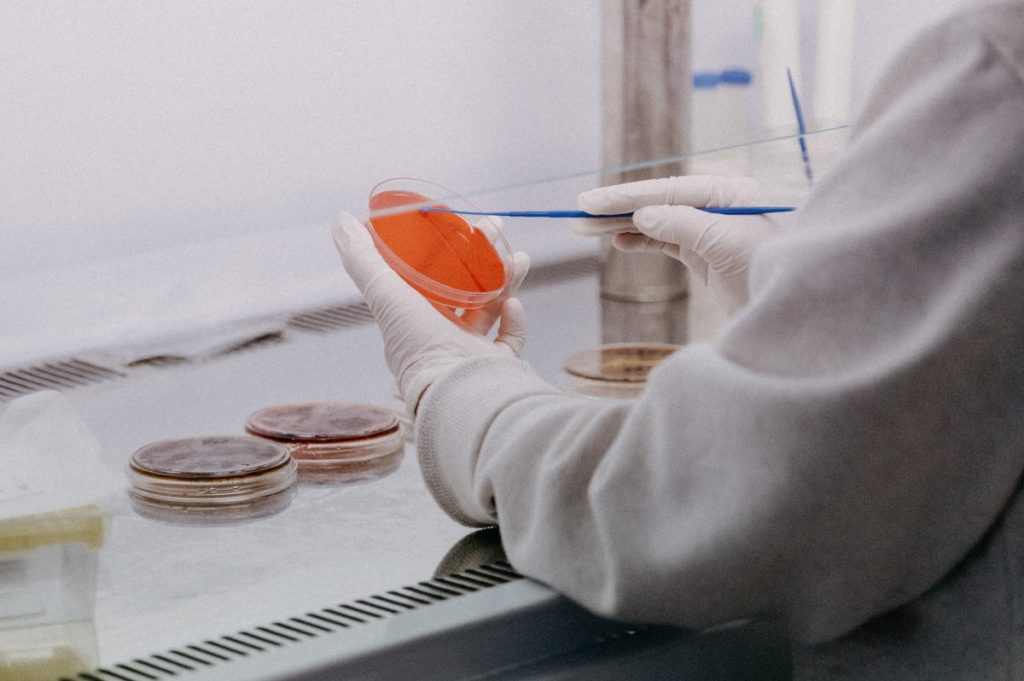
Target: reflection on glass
(478, 548)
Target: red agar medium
(441, 247)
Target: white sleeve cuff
(453, 418)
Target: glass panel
(170, 171)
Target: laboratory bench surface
(208, 591)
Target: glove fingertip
(672, 224)
(513, 317)
(631, 242)
(519, 267)
(605, 201)
(347, 229)
(513, 306)
(512, 328)
(649, 215)
(591, 201)
(347, 221)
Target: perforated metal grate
(332, 318)
(562, 270)
(72, 373)
(52, 376)
(338, 317)
(329, 621)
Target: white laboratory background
(179, 161)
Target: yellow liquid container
(48, 565)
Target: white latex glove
(717, 248)
(420, 340)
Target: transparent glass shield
(170, 175)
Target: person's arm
(852, 433)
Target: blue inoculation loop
(726, 210)
(801, 128)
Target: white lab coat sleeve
(851, 434)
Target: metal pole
(646, 78)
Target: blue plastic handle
(732, 210)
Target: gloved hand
(717, 248)
(420, 340)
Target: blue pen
(734, 210)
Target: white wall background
(130, 130)
(724, 36)
(128, 126)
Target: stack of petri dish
(211, 479)
(614, 370)
(333, 442)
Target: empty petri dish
(334, 442)
(442, 255)
(615, 369)
(211, 479)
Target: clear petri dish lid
(329, 422)
(618, 362)
(334, 442)
(208, 457)
(448, 259)
(230, 477)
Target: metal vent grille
(356, 314)
(52, 376)
(272, 338)
(72, 373)
(332, 318)
(562, 270)
(329, 621)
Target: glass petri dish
(211, 479)
(334, 442)
(442, 255)
(617, 370)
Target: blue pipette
(731, 210)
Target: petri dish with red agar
(616, 370)
(448, 259)
(211, 479)
(333, 442)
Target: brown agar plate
(615, 369)
(211, 479)
(333, 442)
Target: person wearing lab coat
(845, 458)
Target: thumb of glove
(512, 327)
(358, 254)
